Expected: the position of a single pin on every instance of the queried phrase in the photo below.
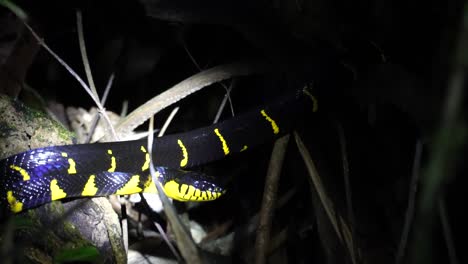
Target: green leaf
(20, 222)
(81, 254)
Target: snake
(38, 176)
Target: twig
(185, 88)
(347, 185)
(168, 242)
(227, 97)
(143, 196)
(161, 193)
(84, 57)
(447, 232)
(84, 54)
(190, 55)
(413, 188)
(228, 90)
(278, 240)
(62, 62)
(168, 121)
(124, 222)
(337, 221)
(96, 117)
(183, 239)
(102, 111)
(327, 204)
(108, 87)
(124, 111)
(250, 227)
(269, 199)
(76, 76)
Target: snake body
(38, 176)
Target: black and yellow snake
(38, 176)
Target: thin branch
(347, 184)
(62, 62)
(97, 117)
(168, 121)
(447, 232)
(269, 199)
(228, 90)
(107, 90)
(159, 188)
(84, 54)
(227, 97)
(124, 222)
(76, 76)
(190, 56)
(339, 225)
(183, 239)
(168, 242)
(124, 111)
(413, 188)
(185, 88)
(313, 173)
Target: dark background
(381, 70)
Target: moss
(32, 116)
(52, 240)
(6, 129)
(70, 229)
(55, 208)
(37, 256)
(64, 134)
(55, 226)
